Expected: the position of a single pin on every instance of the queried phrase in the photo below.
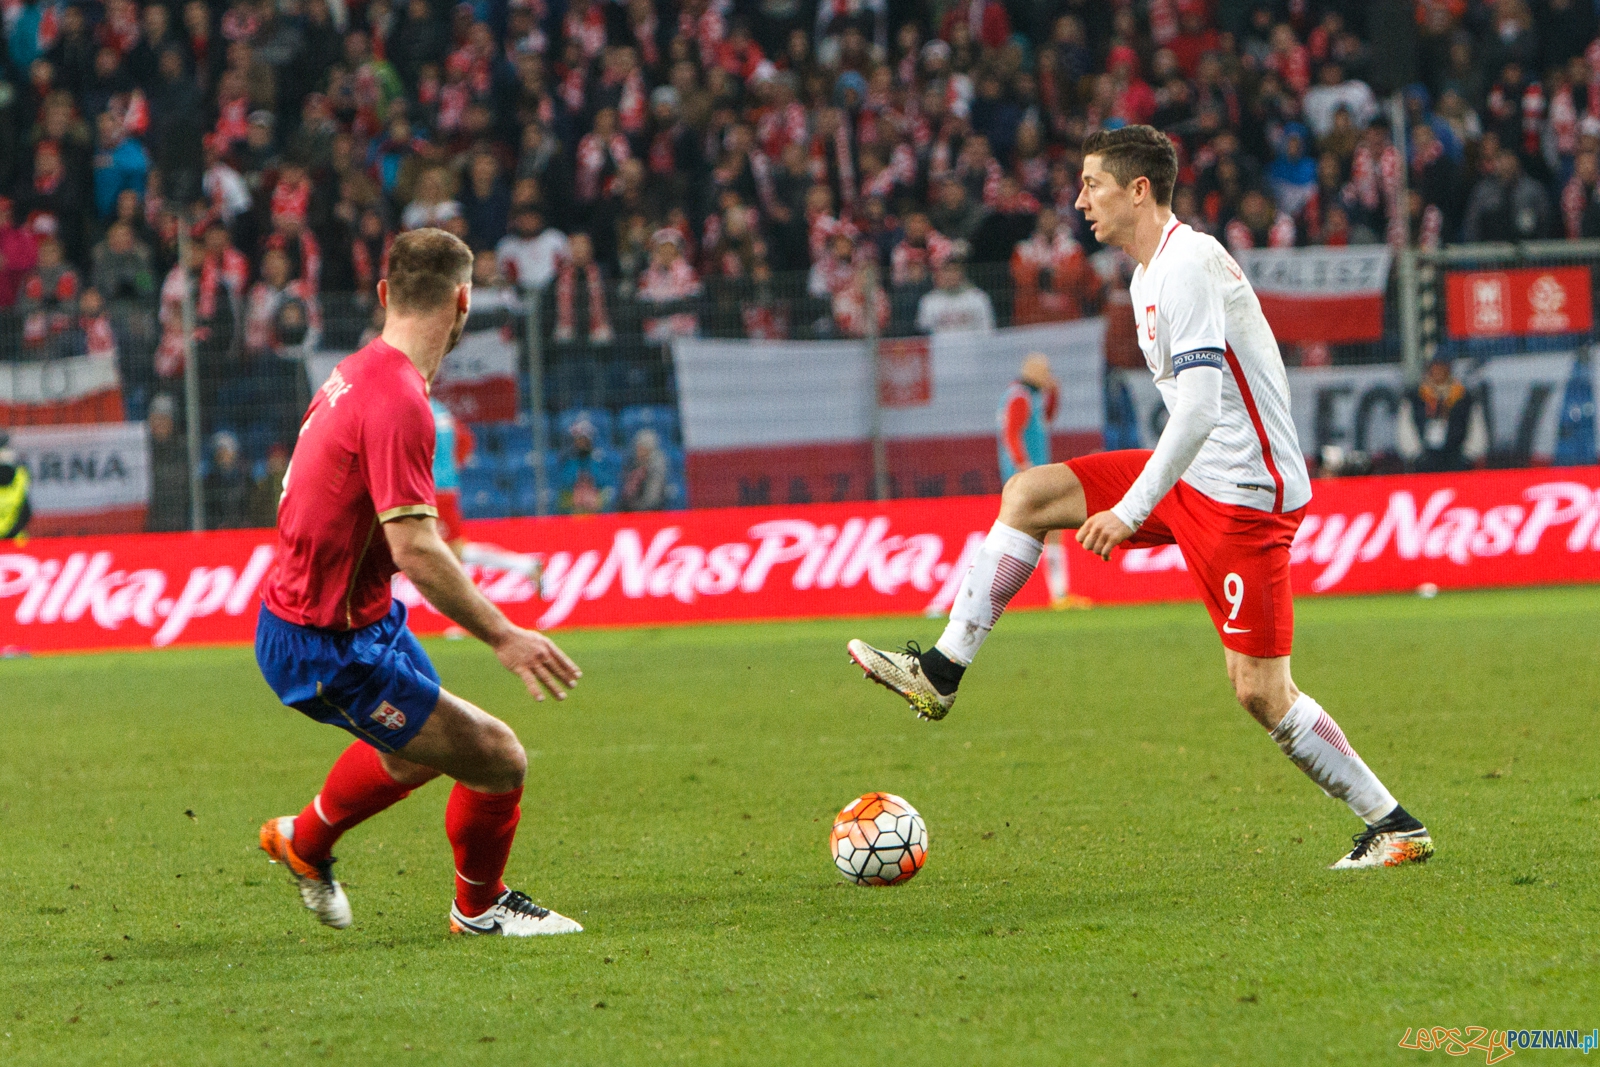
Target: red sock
(358, 787)
(481, 827)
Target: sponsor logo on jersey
(390, 716)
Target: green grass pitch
(1122, 867)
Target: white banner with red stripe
(1320, 295)
(91, 478)
(50, 392)
(769, 421)
(478, 381)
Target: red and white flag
(74, 390)
(1333, 295)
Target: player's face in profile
(1106, 206)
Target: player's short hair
(1137, 152)
(425, 266)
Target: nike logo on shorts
(1228, 629)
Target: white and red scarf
(600, 331)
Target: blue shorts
(375, 682)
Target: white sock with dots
(1309, 736)
(1001, 567)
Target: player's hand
(1103, 532)
(541, 665)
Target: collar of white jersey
(1166, 235)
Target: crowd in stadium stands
(649, 166)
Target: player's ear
(383, 293)
(463, 298)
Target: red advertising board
(1495, 528)
(1500, 303)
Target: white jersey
(1194, 308)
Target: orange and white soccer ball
(879, 839)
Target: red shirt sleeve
(397, 442)
(1016, 420)
(1052, 399)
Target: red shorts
(448, 501)
(1237, 556)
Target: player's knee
(505, 760)
(1022, 497)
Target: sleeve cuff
(407, 511)
(1120, 510)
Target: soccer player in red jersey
(1226, 483)
(358, 505)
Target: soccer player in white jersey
(1227, 483)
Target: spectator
(1293, 174)
(485, 202)
(121, 163)
(861, 306)
(957, 216)
(583, 486)
(644, 478)
(1436, 420)
(282, 319)
(169, 469)
(49, 303)
(19, 254)
(1580, 198)
(92, 334)
(1507, 205)
(1054, 282)
(1334, 91)
(121, 266)
(268, 489)
(581, 305)
(433, 204)
(531, 250)
(227, 485)
(956, 306)
(669, 287)
(16, 509)
(1259, 225)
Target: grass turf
(1122, 868)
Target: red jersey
(365, 456)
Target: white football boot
(1397, 838)
(513, 915)
(902, 672)
(318, 890)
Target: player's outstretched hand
(1103, 532)
(541, 665)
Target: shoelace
(1363, 841)
(914, 650)
(522, 904)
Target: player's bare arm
(423, 557)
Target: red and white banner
(55, 391)
(1534, 300)
(1497, 528)
(1328, 295)
(478, 381)
(774, 421)
(88, 479)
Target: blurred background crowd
(650, 169)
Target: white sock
(1055, 568)
(500, 560)
(1309, 736)
(1000, 568)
